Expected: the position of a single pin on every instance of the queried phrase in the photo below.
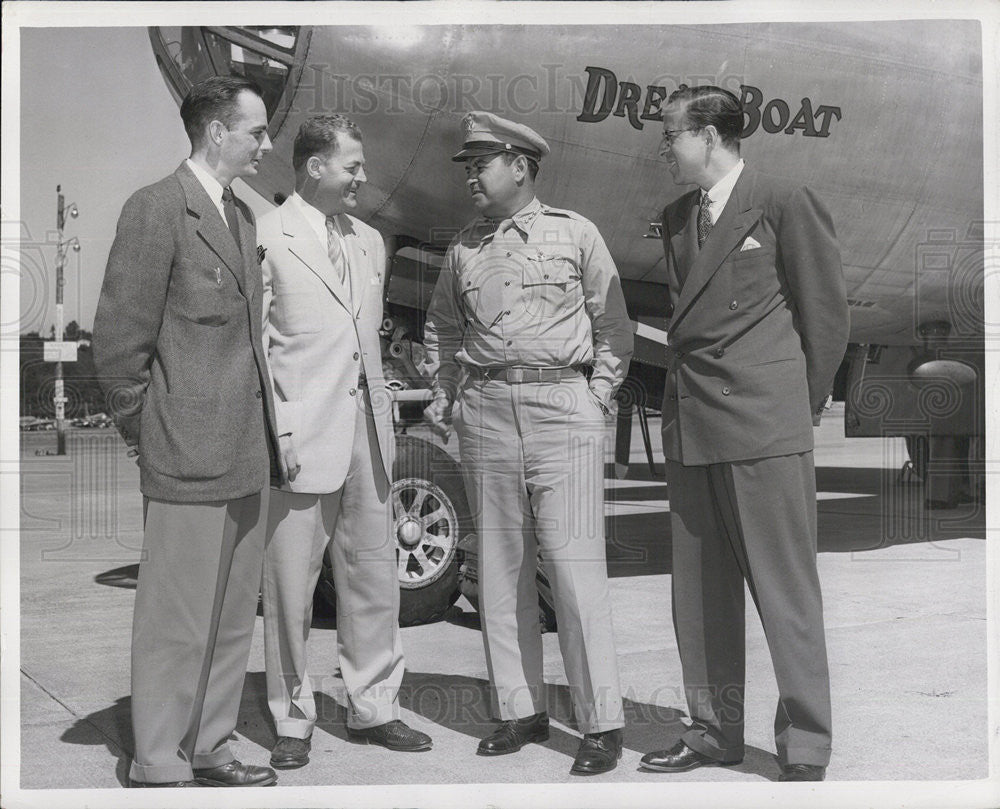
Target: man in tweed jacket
(177, 343)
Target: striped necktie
(335, 250)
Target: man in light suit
(757, 329)
(177, 344)
(324, 274)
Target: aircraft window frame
(292, 59)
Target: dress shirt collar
(719, 194)
(315, 217)
(212, 186)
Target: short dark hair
(318, 136)
(707, 105)
(510, 157)
(214, 99)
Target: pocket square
(749, 243)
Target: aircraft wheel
(430, 514)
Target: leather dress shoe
(235, 774)
(290, 752)
(680, 758)
(161, 784)
(802, 772)
(599, 752)
(514, 734)
(396, 735)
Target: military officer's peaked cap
(486, 133)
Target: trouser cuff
(204, 761)
(817, 756)
(294, 728)
(699, 741)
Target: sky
(97, 118)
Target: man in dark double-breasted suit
(177, 343)
(757, 328)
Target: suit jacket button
(353, 391)
(356, 355)
(678, 354)
(733, 305)
(725, 391)
(259, 395)
(719, 352)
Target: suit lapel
(251, 267)
(306, 247)
(737, 218)
(210, 225)
(677, 243)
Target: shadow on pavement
(112, 727)
(456, 702)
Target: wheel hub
(409, 533)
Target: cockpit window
(266, 54)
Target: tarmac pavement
(905, 603)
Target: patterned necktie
(704, 219)
(335, 250)
(229, 207)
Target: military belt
(515, 376)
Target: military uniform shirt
(538, 290)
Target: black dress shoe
(290, 752)
(680, 758)
(395, 735)
(802, 772)
(235, 774)
(599, 752)
(514, 734)
(161, 784)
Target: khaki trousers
(752, 521)
(533, 461)
(195, 607)
(355, 523)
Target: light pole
(59, 397)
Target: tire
(430, 516)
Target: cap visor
(476, 151)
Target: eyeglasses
(670, 135)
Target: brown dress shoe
(599, 752)
(290, 752)
(802, 772)
(396, 735)
(235, 774)
(514, 734)
(680, 758)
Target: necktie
(704, 219)
(334, 249)
(229, 206)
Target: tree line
(83, 393)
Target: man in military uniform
(528, 336)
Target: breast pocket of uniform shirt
(551, 282)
